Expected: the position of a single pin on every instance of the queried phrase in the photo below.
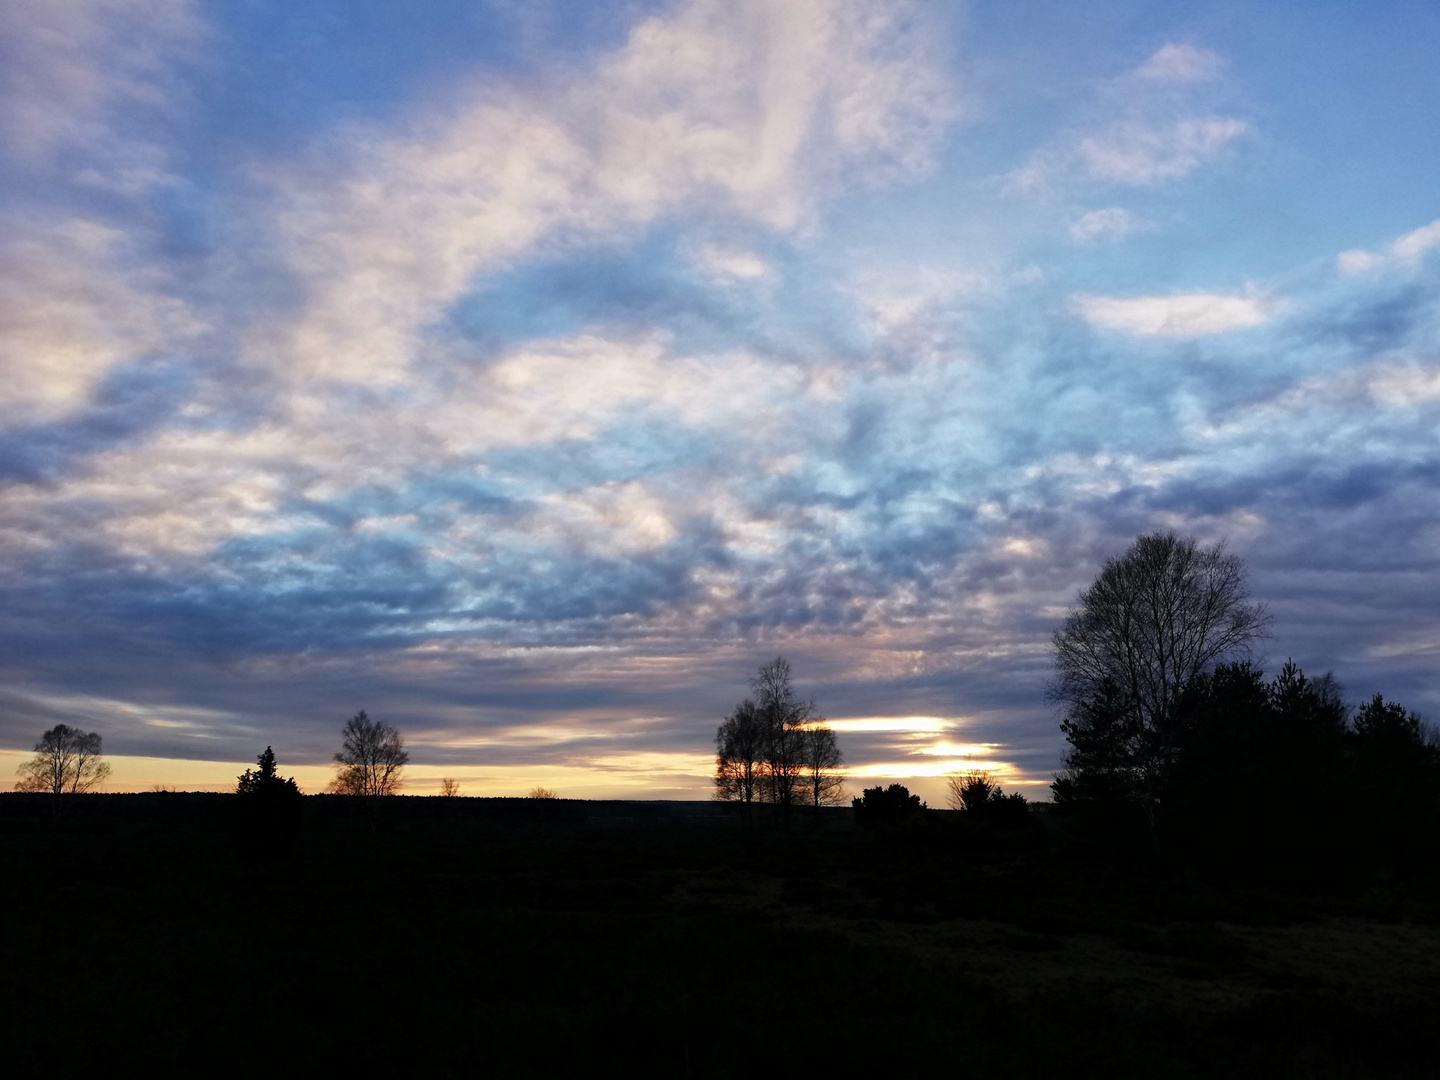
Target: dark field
(501, 936)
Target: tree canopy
(66, 762)
(370, 758)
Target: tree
(1101, 770)
(66, 762)
(1387, 727)
(1251, 757)
(775, 748)
(370, 758)
(820, 760)
(1154, 620)
(268, 808)
(265, 781)
(739, 757)
(449, 787)
(542, 793)
(1398, 767)
(783, 717)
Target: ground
(543, 944)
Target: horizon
(529, 375)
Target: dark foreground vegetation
(549, 937)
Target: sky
(529, 374)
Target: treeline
(1277, 778)
(1178, 749)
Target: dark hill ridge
(323, 812)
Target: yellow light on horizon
(911, 724)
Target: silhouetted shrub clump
(887, 807)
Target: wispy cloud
(1404, 251)
(725, 264)
(1147, 127)
(1185, 315)
(1180, 63)
(1136, 152)
(1111, 224)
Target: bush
(884, 807)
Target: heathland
(550, 937)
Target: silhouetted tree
(879, 806)
(1252, 758)
(66, 762)
(269, 808)
(449, 787)
(739, 758)
(1398, 769)
(541, 793)
(265, 780)
(1387, 728)
(1102, 775)
(1154, 620)
(370, 758)
(783, 717)
(821, 759)
(760, 749)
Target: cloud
(84, 88)
(1185, 315)
(74, 305)
(1413, 245)
(906, 304)
(1404, 251)
(1356, 401)
(724, 264)
(1140, 153)
(1180, 63)
(748, 109)
(1152, 125)
(1104, 226)
(69, 70)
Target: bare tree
(66, 762)
(821, 760)
(782, 716)
(370, 758)
(449, 787)
(760, 749)
(739, 758)
(541, 793)
(1154, 620)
